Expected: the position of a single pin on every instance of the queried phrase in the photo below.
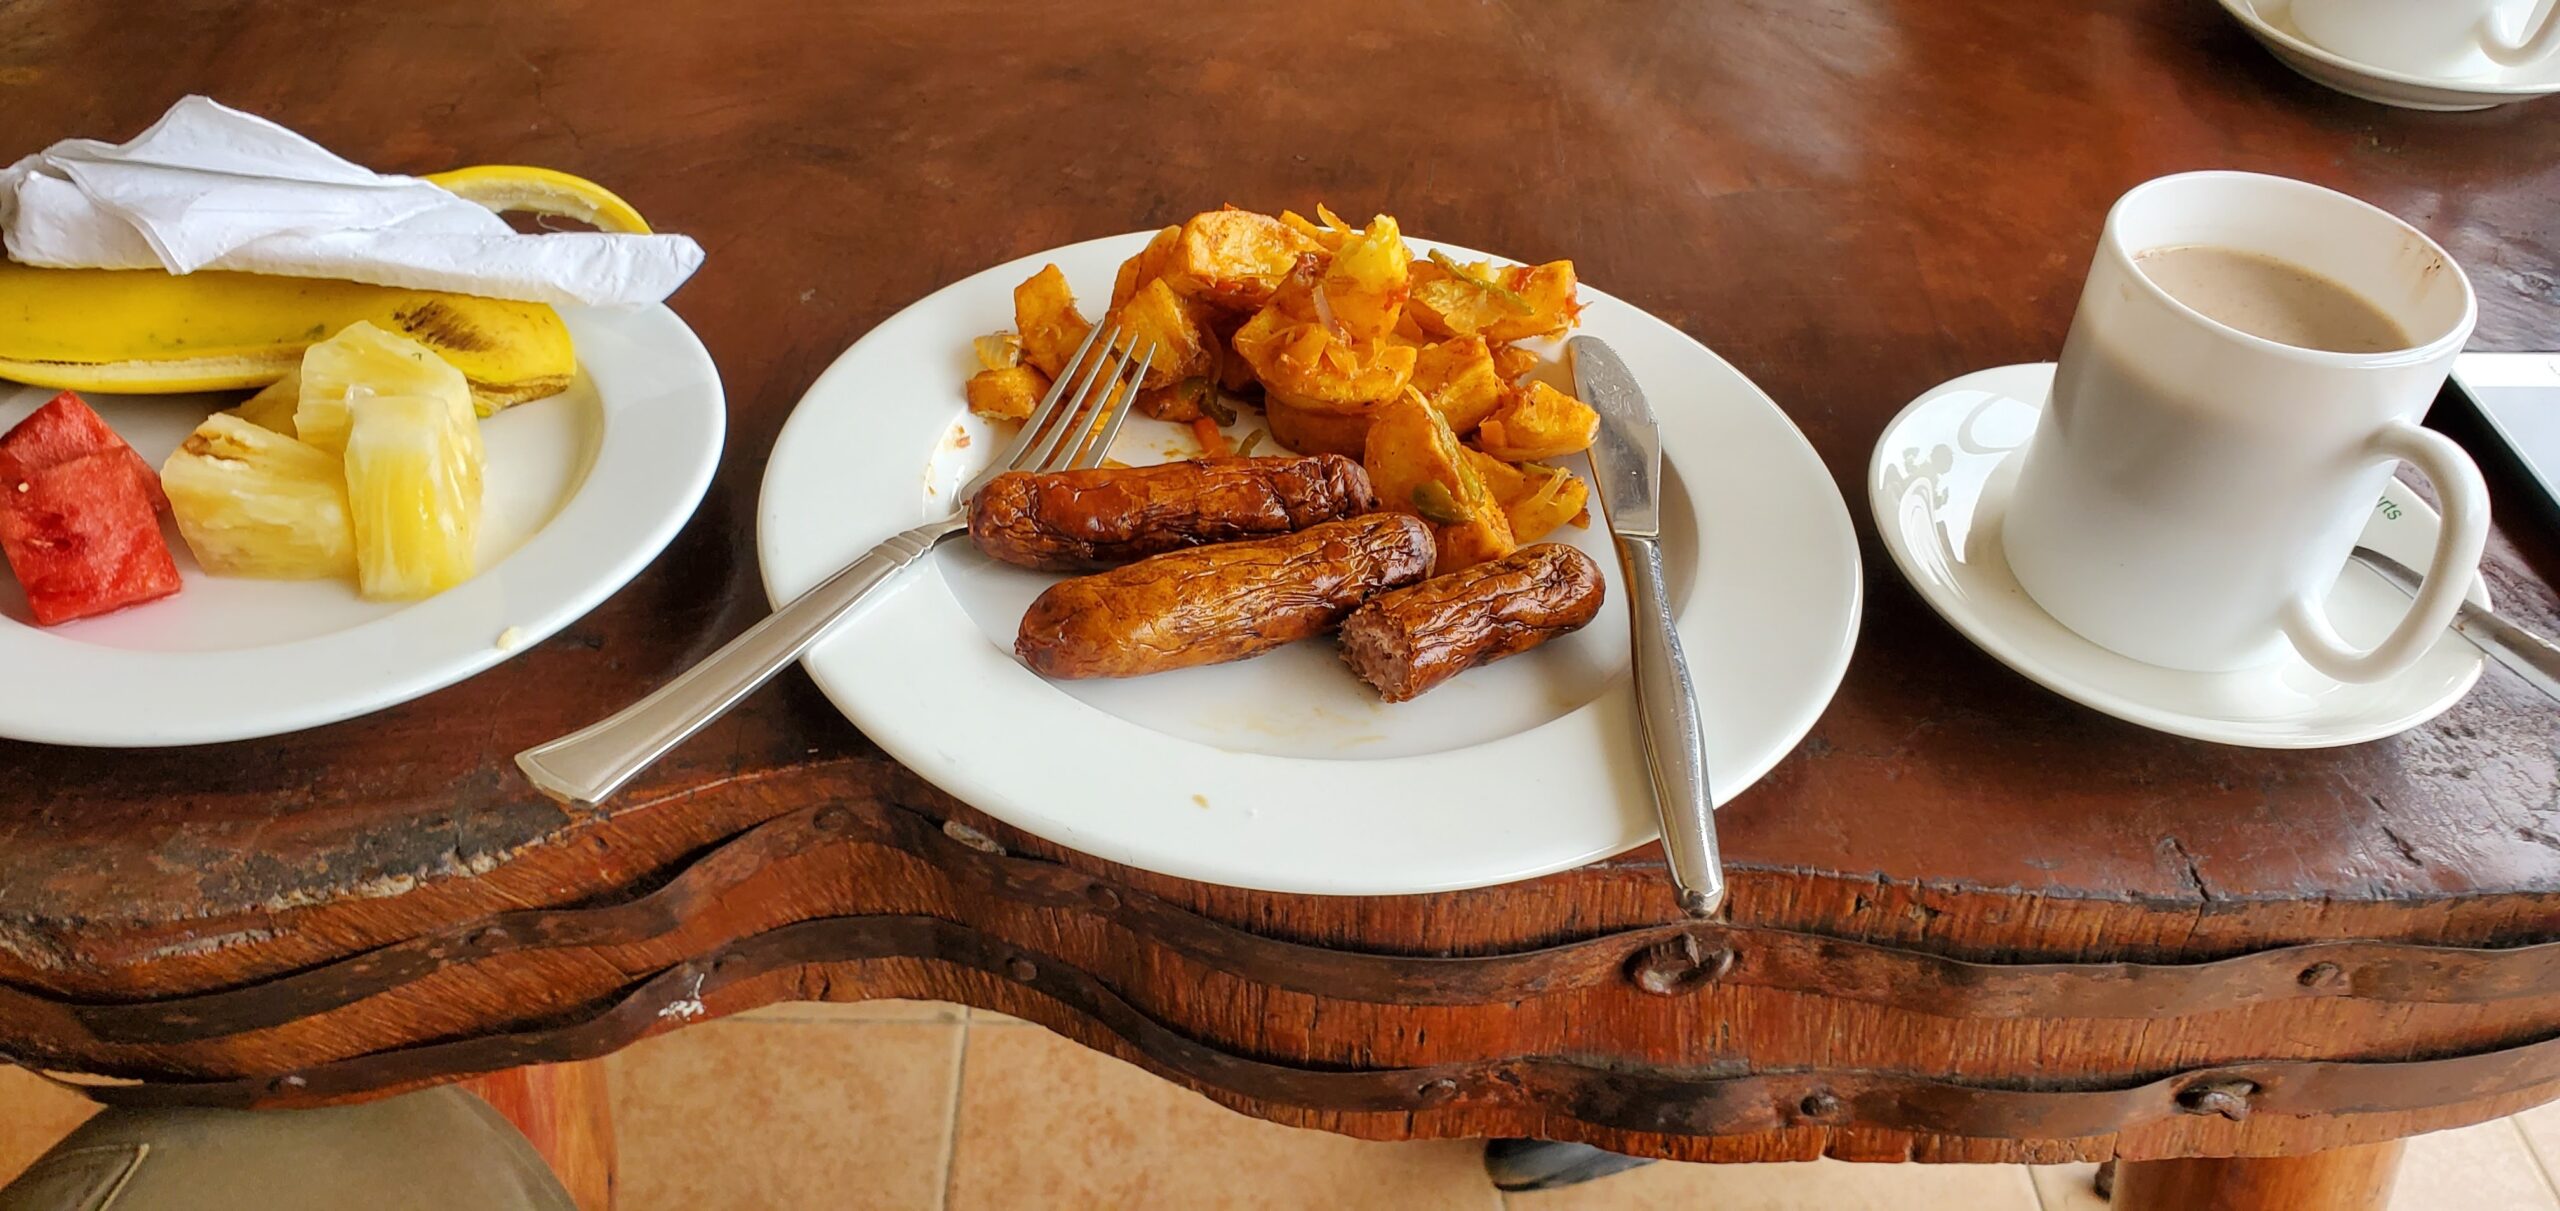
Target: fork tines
(1087, 404)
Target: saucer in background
(2271, 23)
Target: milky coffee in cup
(2249, 362)
(2271, 299)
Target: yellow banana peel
(148, 332)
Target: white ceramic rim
(663, 417)
(2098, 698)
(916, 675)
(2112, 243)
(2246, 12)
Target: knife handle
(1675, 746)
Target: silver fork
(588, 765)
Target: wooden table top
(1850, 200)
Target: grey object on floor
(1517, 1165)
(434, 1150)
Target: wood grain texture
(2342, 1179)
(1851, 200)
(566, 1112)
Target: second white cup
(2447, 39)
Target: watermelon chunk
(62, 430)
(78, 520)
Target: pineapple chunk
(413, 479)
(363, 361)
(273, 408)
(254, 502)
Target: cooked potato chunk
(1234, 374)
(1044, 312)
(1538, 421)
(1235, 258)
(1534, 496)
(1156, 318)
(1482, 538)
(1459, 377)
(1558, 497)
(1009, 393)
(1417, 466)
(1151, 263)
(1512, 361)
(1308, 431)
(1364, 288)
(1329, 235)
(1306, 363)
(1505, 304)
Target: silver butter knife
(2528, 655)
(1626, 461)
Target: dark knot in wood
(1676, 966)
(2228, 1098)
(1103, 898)
(837, 819)
(1435, 1092)
(2322, 976)
(1821, 1104)
(1021, 969)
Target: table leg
(567, 1112)
(2340, 1179)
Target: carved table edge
(1661, 1101)
(1665, 960)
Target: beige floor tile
(767, 1114)
(1046, 1123)
(1808, 1186)
(2066, 1187)
(2541, 1127)
(34, 1115)
(858, 1011)
(2472, 1169)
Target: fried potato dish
(1424, 369)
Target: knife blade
(1626, 464)
(2525, 653)
(1626, 458)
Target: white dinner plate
(1284, 772)
(1939, 484)
(582, 490)
(2271, 23)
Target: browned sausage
(1073, 521)
(1210, 605)
(1405, 642)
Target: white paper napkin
(209, 187)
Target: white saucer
(2271, 22)
(1939, 484)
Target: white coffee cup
(2192, 491)
(2441, 38)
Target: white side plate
(583, 490)
(1284, 772)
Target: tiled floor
(906, 1105)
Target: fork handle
(588, 765)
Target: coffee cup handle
(2541, 37)
(2459, 541)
